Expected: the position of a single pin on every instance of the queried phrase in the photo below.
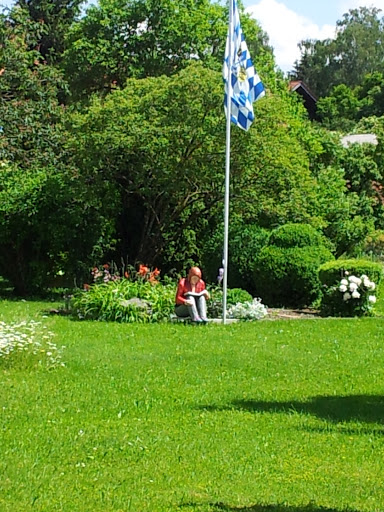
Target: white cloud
(286, 29)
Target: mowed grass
(274, 416)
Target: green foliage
(125, 301)
(371, 94)
(288, 277)
(285, 271)
(344, 106)
(54, 17)
(347, 217)
(340, 109)
(245, 241)
(234, 296)
(271, 179)
(331, 274)
(36, 244)
(160, 158)
(374, 245)
(121, 39)
(166, 163)
(356, 51)
(29, 111)
(50, 221)
(296, 235)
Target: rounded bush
(289, 276)
(297, 235)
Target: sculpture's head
(194, 275)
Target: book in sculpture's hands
(195, 294)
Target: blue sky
(287, 22)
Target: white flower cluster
(353, 287)
(254, 310)
(32, 338)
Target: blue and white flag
(246, 84)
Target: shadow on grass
(269, 508)
(337, 409)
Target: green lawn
(273, 416)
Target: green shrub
(331, 272)
(245, 240)
(285, 271)
(297, 235)
(289, 276)
(349, 287)
(125, 301)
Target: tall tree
(120, 39)
(358, 49)
(54, 18)
(160, 142)
(49, 221)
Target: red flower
(106, 266)
(143, 270)
(86, 287)
(126, 274)
(153, 275)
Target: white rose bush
(353, 296)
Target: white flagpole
(227, 162)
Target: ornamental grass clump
(254, 310)
(352, 296)
(29, 343)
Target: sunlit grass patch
(273, 416)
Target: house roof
(309, 98)
(300, 87)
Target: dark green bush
(289, 276)
(297, 235)
(245, 241)
(331, 272)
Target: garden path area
(291, 314)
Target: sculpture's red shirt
(184, 287)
